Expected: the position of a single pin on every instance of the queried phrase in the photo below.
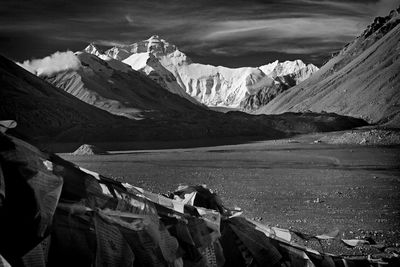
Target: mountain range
(210, 85)
(150, 90)
(362, 80)
(102, 102)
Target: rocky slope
(363, 136)
(210, 85)
(362, 80)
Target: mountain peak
(154, 45)
(278, 68)
(155, 37)
(372, 34)
(93, 49)
(383, 24)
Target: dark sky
(219, 32)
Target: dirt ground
(299, 183)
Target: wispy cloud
(110, 42)
(129, 18)
(203, 27)
(322, 27)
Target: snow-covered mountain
(296, 69)
(114, 86)
(286, 75)
(362, 80)
(210, 85)
(152, 67)
(115, 64)
(145, 57)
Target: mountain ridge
(207, 84)
(362, 80)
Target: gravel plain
(302, 184)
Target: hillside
(45, 112)
(362, 80)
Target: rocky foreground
(71, 216)
(364, 136)
(301, 183)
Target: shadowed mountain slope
(44, 111)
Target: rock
(87, 149)
(318, 200)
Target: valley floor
(301, 183)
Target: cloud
(301, 36)
(322, 28)
(109, 43)
(57, 62)
(201, 27)
(129, 18)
